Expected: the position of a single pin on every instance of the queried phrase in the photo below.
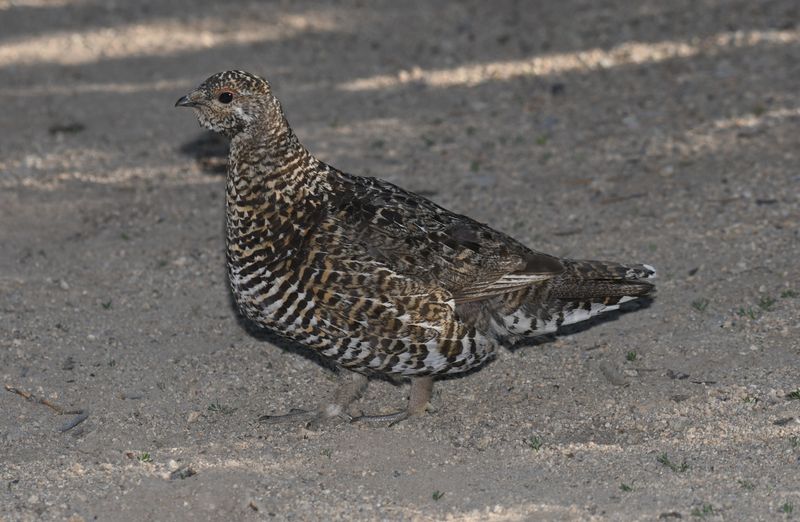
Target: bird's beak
(187, 101)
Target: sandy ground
(661, 132)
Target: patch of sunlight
(752, 120)
(52, 171)
(158, 38)
(501, 513)
(65, 159)
(628, 53)
(11, 4)
(719, 135)
(165, 175)
(62, 89)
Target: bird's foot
(311, 419)
(390, 419)
(418, 403)
(350, 388)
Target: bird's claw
(290, 415)
(313, 418)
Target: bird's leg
(418, 403)
(350, 388)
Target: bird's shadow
(210, 151)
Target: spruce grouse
(376, 278)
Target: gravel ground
(659, 132)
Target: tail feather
(584, 290)
(596, 280)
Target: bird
(375, 278)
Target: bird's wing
(373, 308)
(429, 244)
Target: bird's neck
(268, 161)
(275, 187)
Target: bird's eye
(225, 97)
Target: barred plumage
(372, 276)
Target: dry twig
(80, 415)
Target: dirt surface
(658, 132)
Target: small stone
(631, 122)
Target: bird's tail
(593, 280)
(583, 290)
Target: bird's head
(230, 102)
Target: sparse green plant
(216, 407)
(625, 487)
(750, 399)
(787, 508)
(794, 441)
(766, 303)
(748, 312)
(144, 457)
(475, 166)
(789, 294)
(700, 304)
(327, 452)
(535, 443)
(746, 484)
(794, 396)
(542, 140)
(703, 511)
(631, 356)
(437, 495)
(678, 468)
(106, 305)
